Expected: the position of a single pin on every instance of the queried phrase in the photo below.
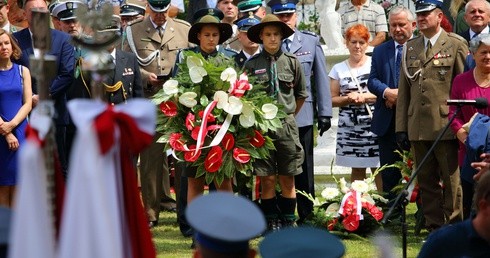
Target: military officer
(283, 75)
(249, 48)
(132, 10)
(430, 63)
(248, 7)
(306, 47)
(230, 15)
(156, 41)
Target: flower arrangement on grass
(215, 120)
(348, 209)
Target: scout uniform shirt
(286, 82)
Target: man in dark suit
(64, 53)
(477, 16)
(383, 82)
(306, 47)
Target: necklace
(483, 84)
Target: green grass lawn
(170, 243)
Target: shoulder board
(454, 35)
(182, 22)
(307, 32)
(136, 21)
(231, 50)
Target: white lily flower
(247, 120)
(222, 98)
(170, 87)
(234, 106)
(270, 111)
(229, 75)
(330, 193)
(197, 73)
(316, 202)
(360, 186)
(188, 99)
(343, 186)
(194, 61)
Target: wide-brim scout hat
(254, 32)
(132, 8)
(211, 17)
(427, 5)
(159, 6)
(224, 222)
(301, 242)
(249, 6)
(282, 6)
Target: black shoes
(273, 225)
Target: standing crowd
(391, 94)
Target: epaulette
(414, 38)
(454, 35)
(289, 54)
(135, 21)
(307, 32)
(231, 50)
(182, 22)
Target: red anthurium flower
(241, 155)
(240, 87)
(195, 132)
(351, 222)
(376, 213)
(210, 116)
(189, 121)
(409, 163)
(169, 108)
(228, 141)
(213, 160)
(176, 142)
(191, 156)
(258, 140)
(214, 127)
(331, 224)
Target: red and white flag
(103, 215)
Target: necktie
(273, 80)
(287, 43)
(474, 35)
(427, 50)
(398, 62)
(160, 31)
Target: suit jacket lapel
(392, 59)
(296, 43)
(419, 44)
(441, 41)
(169, 32)
(120, 64)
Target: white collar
(434, 39)
(156, 26)
(485, 30)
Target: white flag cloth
(93, 218)
(32, 230)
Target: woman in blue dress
(15, 105)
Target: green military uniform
(288, 157)
(146, 40)
(424, 86)
(156, 55)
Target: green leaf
(204, 100)
(210, 178)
